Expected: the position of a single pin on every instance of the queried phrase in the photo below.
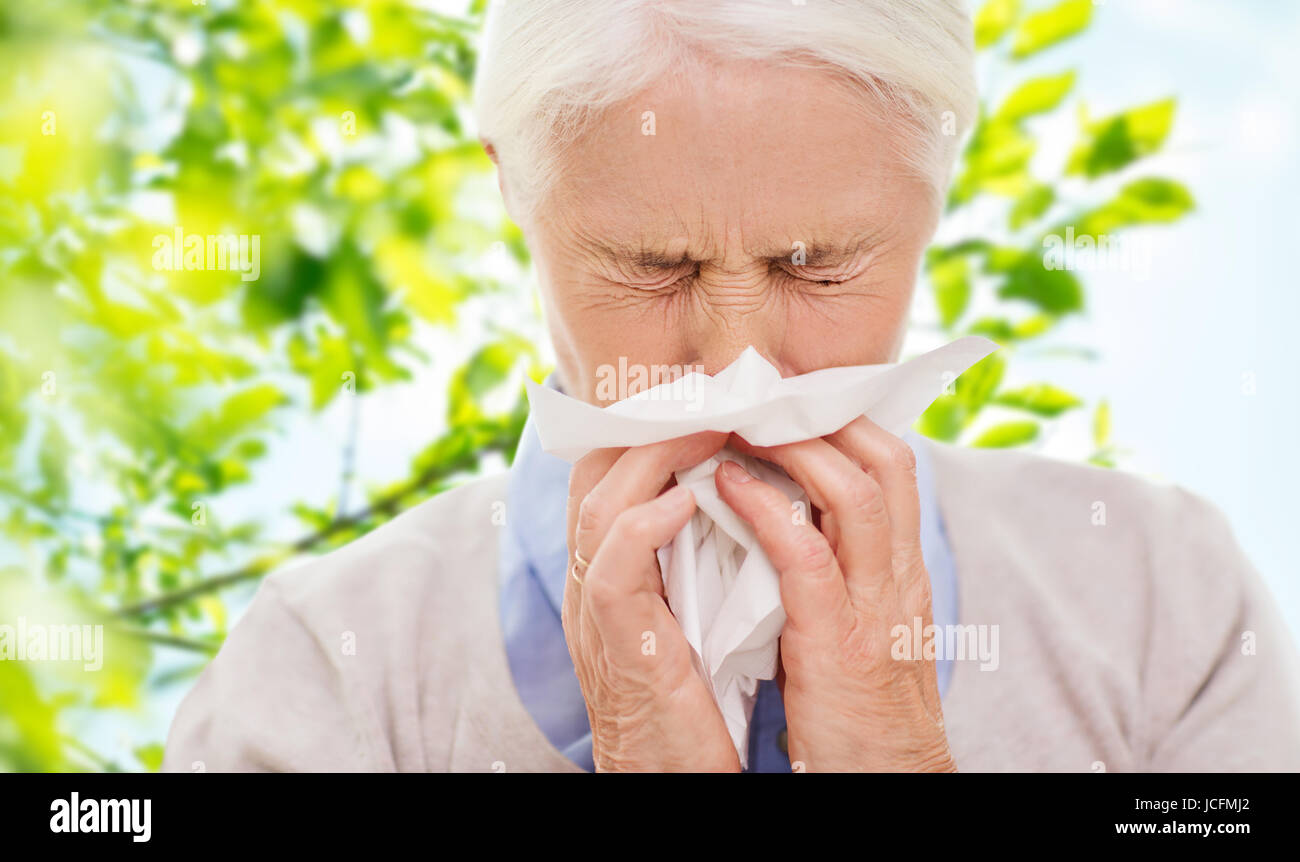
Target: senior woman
(663, 159)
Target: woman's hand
(649, 709)
(850, 706)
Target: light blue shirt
(534, 560)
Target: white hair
(548, 67)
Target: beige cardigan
(1146, 643)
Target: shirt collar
(537, 517)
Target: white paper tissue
(720, 585)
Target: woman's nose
(724, 322)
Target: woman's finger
(813, 590)
(857, 506)
(892, 463)
(603, 487)
(616, 595)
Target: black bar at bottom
(333, 812)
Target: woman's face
(766, 209)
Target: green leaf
(1150, 200)
(994, 20)
(1007, 434)
(1117, 141)
(952, 288)
(488, 368)
(1035, 96)
(1042, 399)
(997, 328)
(1004, 331)
(250, 449)
(1002, 259)
(1055, 291)
(996, 161)
(976, 386)
(333, 370)
(249, 406)
(429, 292)
(232, 471)
(939, 253)
(216, 430)
(288, 281)
(1101, 425)
(1043, 29)
(1032, 327)
(150, 756)
(944, 419)
(354, 298)
(1031, 205)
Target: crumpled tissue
(720, 586)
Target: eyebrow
(822, 255)
(644, 258)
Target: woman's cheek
(611, 340)
(848, 330)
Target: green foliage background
(132, 401)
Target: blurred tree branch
(426, 483)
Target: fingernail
(734, 472)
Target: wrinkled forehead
(742, 150)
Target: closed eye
(815, 275)
(661, 282)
